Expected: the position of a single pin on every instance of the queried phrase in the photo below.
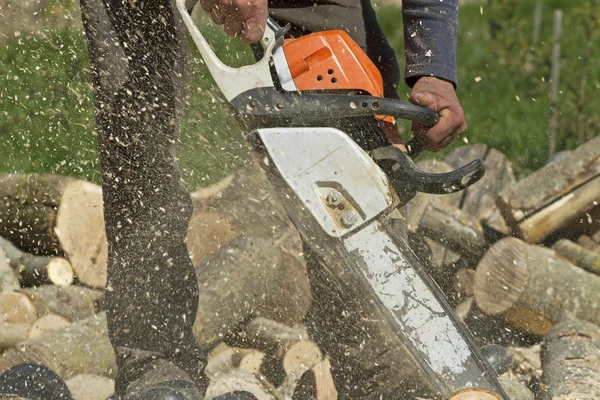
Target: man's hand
(245, 19)
(438, 95)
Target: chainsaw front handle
(233, 81)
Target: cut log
(224, 358)
(479, 199)
(533, 288)
(28, 208)
(72, 302)
(80, 348)
(248, 277)
(571, 361)
(588, 243)
(45, 324)
(37, 270)
(91, 387)
(515, 389)
(13, 333)
(441, 257)
(454, 229)
(264, 333)
(47, 214)
(596, 237)
(16, 307)
(535, 207)
(578, 255)
(463, 282)
(316, 384)
(207, 232)
(8, 277)
(80, 231)
(562, 212)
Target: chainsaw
(300, 104)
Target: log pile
(519, 261)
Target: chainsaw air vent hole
(333, 80)
(330, 71)
(319, 77)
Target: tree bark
(533, 288)
(571, 361)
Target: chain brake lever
(406, 178)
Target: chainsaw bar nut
(334, 198)
(349, 218)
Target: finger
(233, 26)
(207, 5)
(254, 27)
(217, 14)
(433, 138)
(424, 99)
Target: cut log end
(60, 272)
(501, 276)
(45, 324)
(16, 307)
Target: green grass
(47, 121)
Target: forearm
(430, 37)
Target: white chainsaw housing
(316, 161)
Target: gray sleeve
(430, 28)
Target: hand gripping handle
(232, 81)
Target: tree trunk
(571, 361)
(533, 288)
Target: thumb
(421, 99)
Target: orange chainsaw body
(331, 60)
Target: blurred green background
(46, 112)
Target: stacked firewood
(519, 261)
(254, 292)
